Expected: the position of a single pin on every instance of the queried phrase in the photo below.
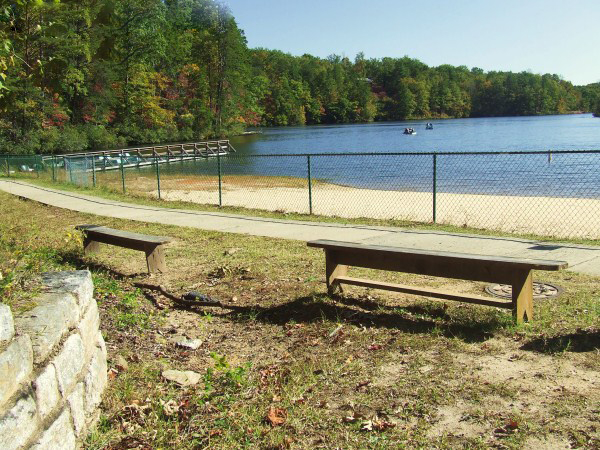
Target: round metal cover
(540, 290)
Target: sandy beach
(547, 216)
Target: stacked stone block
(52, 366)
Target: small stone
(192, 344)
(183, 378)
(121, 363)
(231, 251)
(234, 299)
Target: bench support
(333, 270)
(155, 259)
(522, 296)
(90, 246)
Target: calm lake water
(557, 175)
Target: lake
(282, 152)
(551, 174)
(566, 132)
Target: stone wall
(52, 366)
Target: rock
(231, 251)
(7, 327)
(78, 283)
(59, 436)
(69, 363)
(16, 364)
(192, 344)
(194, 296)
(18, 424)
(46, 391)
(121, 363)
(187, 378)
(48, 322)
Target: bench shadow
(413, 319)
(579, 342)
(82, 263)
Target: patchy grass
(285, 366)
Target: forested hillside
(95, 74)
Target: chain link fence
(542, 193)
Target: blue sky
(541, 36)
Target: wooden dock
(144, 156)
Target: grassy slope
(401, 371)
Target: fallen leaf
(276, 416)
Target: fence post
(93, 171)
(220, 181)
(53, 169)
(122, 172)
(8, 166)
(157, 175)
(434, 186)
(310, 205)
(70, 170)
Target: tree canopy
(96, 74)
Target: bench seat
(152, 246)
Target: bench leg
(155, 258)
(90, 246)
(332, 271)
(522, 296)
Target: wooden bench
(513, 271)
(151, 245)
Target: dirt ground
(283, 365)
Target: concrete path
(584, 259)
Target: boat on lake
(410, 131)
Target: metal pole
(434, 187)
(122, 172)
(53, 168)
(157, 175)
(8, 166)
(70, 171)
(93, 171)
(220, 187)
(310, 206)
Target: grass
(367, 370)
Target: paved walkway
(584, 259)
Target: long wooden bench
(152, 246)
(513, 271)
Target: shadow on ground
(416, 319)
(581, 341)
(412, 319)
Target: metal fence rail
(544, 193)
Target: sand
(546, 216)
